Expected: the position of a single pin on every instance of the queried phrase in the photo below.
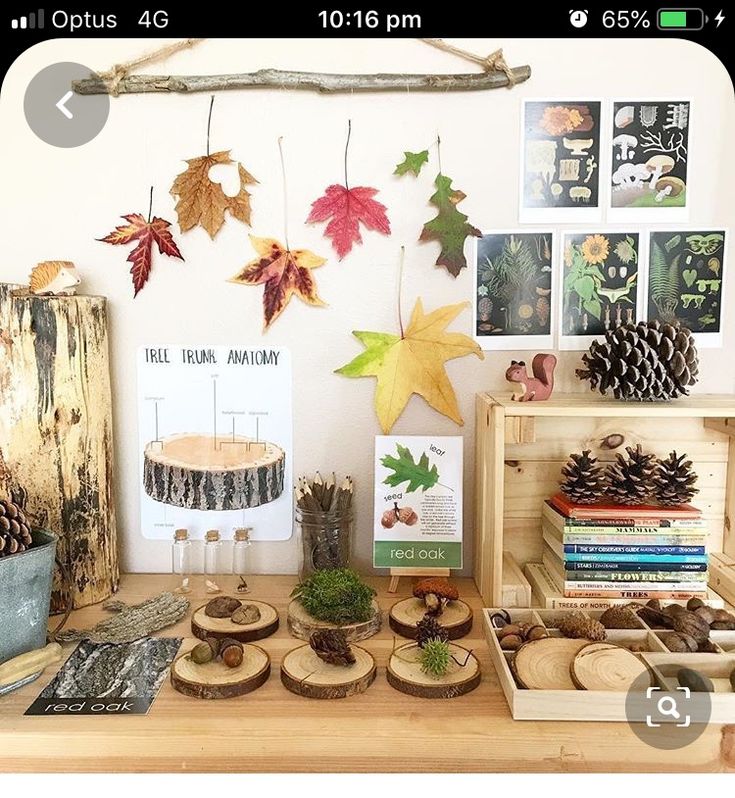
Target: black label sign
(89, 706)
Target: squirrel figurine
(536, 388)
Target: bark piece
(202, 626)
(214, 679)
(304, 673)
(404, 674)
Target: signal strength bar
(31, 22)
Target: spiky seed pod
(630, 479)
(15, 530)
(643, 361)
(673, 482)
(428, 628)
(577, 625)
(583, 478)
(331, 646)
(434, 658)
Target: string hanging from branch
(201, 201)
(345, 209)
(281, 271)
(118, 80)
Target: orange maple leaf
(146, 234)
(283, 272)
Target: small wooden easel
(397, 573)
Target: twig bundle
(326, 520)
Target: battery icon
(680, 19)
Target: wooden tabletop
(382, 730)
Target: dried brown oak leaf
(202, 201)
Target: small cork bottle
(212, 559)
(181, 559)
(241, 557)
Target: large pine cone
(630, 479)
(644, 361)
(331, 645)
(15, 531)
(428, 628)
(583, 480)
(673, 482)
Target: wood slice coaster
(405, 614)
(303, 673)
(215, 680)
(546, 664)
(404, 673)
(202, 626)
(605, 666)
(195, 472)
(302, 625)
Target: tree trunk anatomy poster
(649, 159)
(418, 502)
(561, 161)
(215, 433)
(686, 275)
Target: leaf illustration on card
(146, 234)
(413, 363)
(420, 474)
(202, 201)
(412, 162)
(449, 227)
(689, 276)
(283, 273)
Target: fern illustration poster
(601, 285)
(686, 275)
(418, 502)
(513, 290)
(560, 169)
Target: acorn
(510, 629)
(202, 653)
(511, 642)
(232, 652)
(694, 604)
(536, 633)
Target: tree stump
(406, 613)
(404, 674)
(56, 433)
(200, 472)
(302, 625)
(215, 680)
(202, 626)
(303, 673)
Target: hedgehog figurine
(54, 278)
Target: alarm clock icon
(578, 18)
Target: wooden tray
(593, 705)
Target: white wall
(55, 203)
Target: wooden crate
(521, 447)
(597, 705)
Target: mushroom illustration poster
(561, 160)
(513, 290)
(649, 158)
(215, 437)
(600, 287)
(418, 502)
(686, 274)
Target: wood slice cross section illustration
(201, 472)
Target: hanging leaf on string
(345, 209)
(412, 362)
(202, 201)
(281, 271)
(413, 162)
(146, 232)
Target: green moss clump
(336, 595)
(434, 657)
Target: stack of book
(615, 551)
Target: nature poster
(600, 285)
(649, 154)
(561, 155)
(514, 288)
(685, 279)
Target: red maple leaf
(146, 234)
(346, 208)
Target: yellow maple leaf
(413, 363)
(202, 201)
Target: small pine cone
(625, 617)
(630, 480)
(484, 308)
(331, 646)
(577, 625)
(583, 479)
(673, 482)
(15, 530)
(428, 628)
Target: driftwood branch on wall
(322, 82)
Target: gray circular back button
(56, 114)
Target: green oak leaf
(412, 162)
(449, 227)
(417, 474)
